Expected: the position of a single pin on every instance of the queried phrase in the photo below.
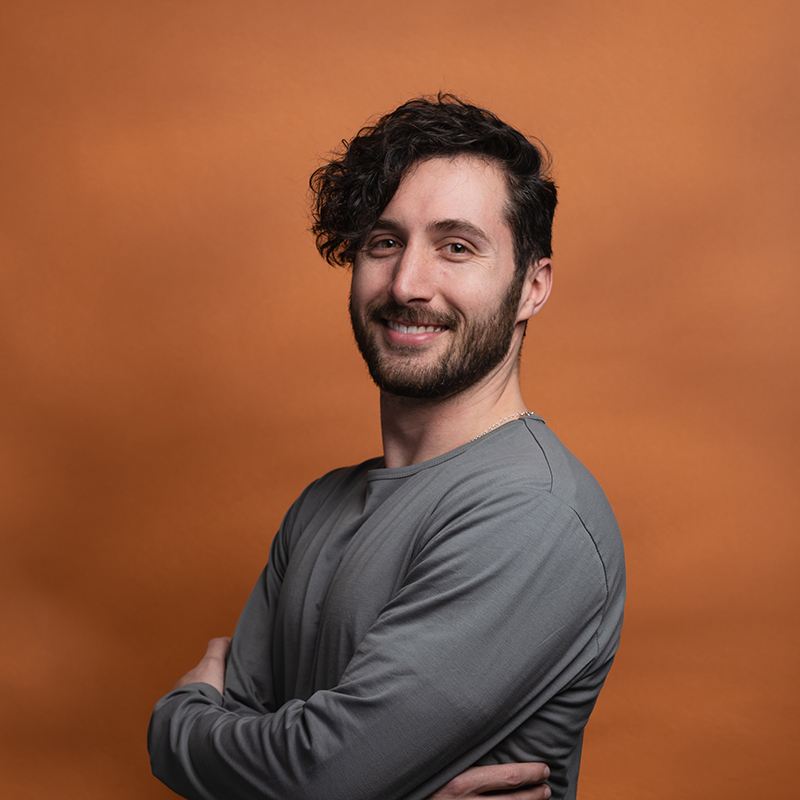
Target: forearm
(318, 749)
(523, 781)
(380, 735)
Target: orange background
(177, 364)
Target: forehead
(460, 187)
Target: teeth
(400, 328)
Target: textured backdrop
(177, 364)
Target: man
(458, 601)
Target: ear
(535, 288)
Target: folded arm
(523, 781)
(468, 649)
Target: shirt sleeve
(498, 613)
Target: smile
(401, 328)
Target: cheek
(358, 298)
(366, 286)
(475, 299)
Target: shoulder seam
(546, 459)
(605, 574)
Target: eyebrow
(440, 226)
(463, 225)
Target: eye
(383, 245)
(457, 248)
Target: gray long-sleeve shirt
(412, 622)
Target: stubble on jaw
(478, 346)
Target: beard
(477, 347)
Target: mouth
(401, 327)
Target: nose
(413, 277)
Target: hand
(211, 668)
(501, 780)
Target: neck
(415, 430)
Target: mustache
(410, 315)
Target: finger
(540, 792)
(498, 777)
(218, 648)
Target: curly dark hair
(355, 186)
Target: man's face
(434, 300)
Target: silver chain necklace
(505, 419)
